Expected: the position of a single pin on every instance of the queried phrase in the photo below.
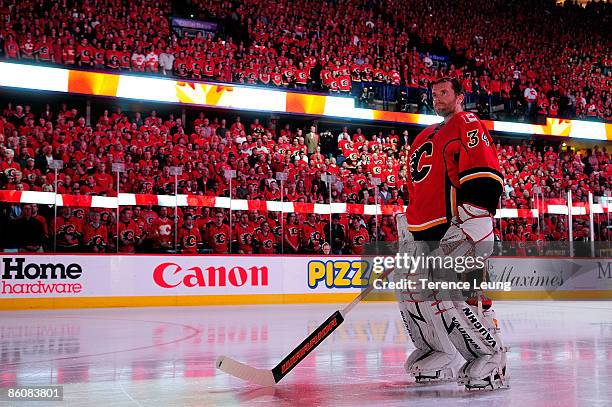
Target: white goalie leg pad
(435, 357)
(470, 333)
(474, 335)
(478, 341)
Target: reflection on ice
(561, 353)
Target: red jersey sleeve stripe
(481, 174)
(426, 225)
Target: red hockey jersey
(442, 158)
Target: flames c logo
(190, 241)
(67, 229)
(165, 230)
(220, 238)
(128, 235)
(358, 240)
(97, 241)
(419, 174)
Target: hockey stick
(266, 377)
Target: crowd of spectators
(532, 56)
(149, 144)
(535, 177)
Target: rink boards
(84, 281)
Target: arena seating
(149, 144)
(552, 61)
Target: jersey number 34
(473, 138)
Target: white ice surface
(561, 356)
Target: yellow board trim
(13, 304)
(551, 295)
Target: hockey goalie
(455, 185)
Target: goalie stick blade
(245, 372)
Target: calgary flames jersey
(95, 236)
(358, 239)
(218, 237)
(443, 158)
(189, 238)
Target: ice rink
(561, 355)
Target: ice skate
(488, 372)
(433, 366)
